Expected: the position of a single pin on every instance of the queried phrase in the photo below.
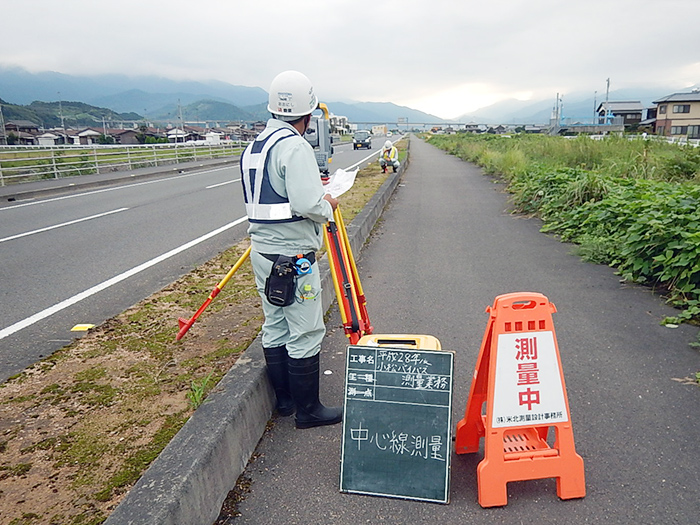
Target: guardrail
(30, 163)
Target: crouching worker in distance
(287, 209)
(389, 156)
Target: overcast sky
(445, 57)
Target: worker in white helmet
(287, 210)
(389, 156)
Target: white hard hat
(387, 144)
(291, 95)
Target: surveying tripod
(348, 289)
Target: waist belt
(311, 256)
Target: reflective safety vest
(262, 202)
(390, 154)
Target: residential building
(630, 111)
(25, 126)
(339, 124)
(678, 115)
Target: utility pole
(595, 106)
(2, 121)
(182, 122)
(60, 112)
(607, 92)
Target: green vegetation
(48, 114)
(632, 204)
(198, 391)
(98, 412)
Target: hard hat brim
(296, 114)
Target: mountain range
(577, 105)
(162, 100)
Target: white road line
(20, 325)
(363, 160)
(222, 184)
(40, 230)
(113, 188)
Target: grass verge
(79, 428)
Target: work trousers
(300, 325)
(395, 164)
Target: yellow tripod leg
(358, 294)
(351, 258)
(334, 273)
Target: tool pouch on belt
(280, 286)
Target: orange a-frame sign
(519, 377)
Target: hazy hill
(201, 110)
(380, 113)
(75, 114)
(19, 86)
(575, 105)
(148, 104)
(159, 98)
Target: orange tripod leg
(362, 301)
(345, 291)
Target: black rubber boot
(277, 370)
(304, 383)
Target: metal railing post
(97, 161)
(53, 163)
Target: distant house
(177, 135)
(26, 126)
(21, 132)
(21, 138)
(649, 122)
(532, 128)
(197, 132)
(678, 115)
(339, 124)
(475, 128)
(87, 136)
(48, 139)
(188, 133)
(239, 133)
(630, 111)
(124, 136)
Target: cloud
(440, 56)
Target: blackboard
(396, 423)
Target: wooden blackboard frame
(397, 423)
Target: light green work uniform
(293, 173)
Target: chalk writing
(396, 423)
(401, 443)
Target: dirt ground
(79, 428)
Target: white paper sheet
(340, 182)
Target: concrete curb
(190, 479)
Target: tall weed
(633, 204)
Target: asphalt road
(84, 256)
(446, 246)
